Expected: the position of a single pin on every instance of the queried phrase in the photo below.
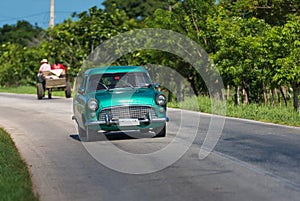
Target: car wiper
(130, 85)
(126, 84)
(144, 85)
(102, 84)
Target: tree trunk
(296, 92)
(178, 91)
(283, 93)
(265, 93)
(228, 92)
(183, 92)
(245, 97)
(245, 92)
(273, 91)
(237, 96)
(278, 97)
(191, 80)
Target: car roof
(114, 69)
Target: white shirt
(45, 67)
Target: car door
(79, 103)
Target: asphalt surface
(251, 160)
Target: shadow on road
(114, 136)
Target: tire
(81, 133)
(87, 135)
(49, 93)
(68, 90)
(160, 131)
(40, 90)
(91, 135)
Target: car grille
(137, 112)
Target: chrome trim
(130, 111)
(107, 120)
(116, 122)
(150, 116)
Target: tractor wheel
(68, 90)
(40, 90)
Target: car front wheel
(91, 135)
(160, 131)
(81, 133)
(86, 135)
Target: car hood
(118, 97)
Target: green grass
(28, 90)
(19, 90)
(15, 181)
(279, 115)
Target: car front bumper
(126, 122)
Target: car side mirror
(81, 91)
(157, 86)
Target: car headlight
(93, 104)
(161, 99)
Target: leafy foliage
(273, 12)
(22, 33)
(254, 44)
(136, 9)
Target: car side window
(93, 83)
(82, 88)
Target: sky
(38, 11)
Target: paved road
(251, 161)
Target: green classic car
(118, 98)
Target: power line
(23, 17)
(33, 15)
(41, 19)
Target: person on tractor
(43, 67)
(58, 65)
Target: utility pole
(51, 22)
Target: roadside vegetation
(274, 114)
(28, 90)
(15, 181)
(253, 45)
(278, 115)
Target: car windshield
(109, 81)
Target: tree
(240, 54)
(136, 9)
(273, 12)
(188, 18)
(19, 65)
(72, 42)
(22, 33)
(287, 66)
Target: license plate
(129, 122)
